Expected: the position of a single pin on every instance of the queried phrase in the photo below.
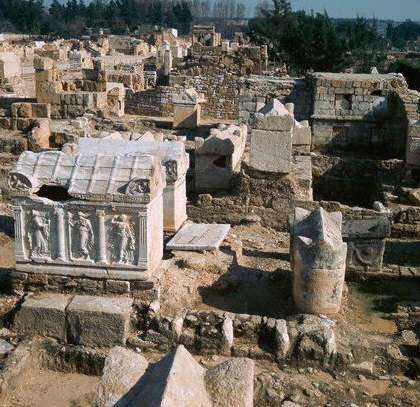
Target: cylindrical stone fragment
(318, 256)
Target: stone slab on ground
(44, 315)
(199, 237)
(5, 348)
(123, 369)
(99, 321)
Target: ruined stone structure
(318, 260)
(358, 111)
(205, 35)
(219, 157)
(97, 216)
(187, 109)
(174, 160)
(271, 138)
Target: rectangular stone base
(83, 271)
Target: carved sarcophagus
(91, 215)
(175, 161)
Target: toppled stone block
(231, 384)
(99, 321)
(44, 315)
(123, 368)
(318, 257)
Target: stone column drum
(318, 258)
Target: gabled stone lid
(94, 177)
(172, 154)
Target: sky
(398, 10)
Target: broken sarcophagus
(88, 215)
(318, 259)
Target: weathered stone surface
(231, 384)
(378, 227)
(5, 348)
(227, 336)
(282, 339)
(177, 380)
(199, 237)
(271, 139)
(123, 368)
(43, 315)
(318, 256)
(56, 236)
(99, 321)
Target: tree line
(314, 41)
(72, 17)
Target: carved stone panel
(122, 242)
(365, 255)
(82, 237)
(37, 231)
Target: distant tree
(240, 10)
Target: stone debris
(199, 237)
(5, 348)
(122, 370)
(176, 380)
(318, 258)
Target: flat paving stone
(99, 321)
(199, 237)
(43, 315)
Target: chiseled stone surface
(99, 321)
(44, 315)
(123, 368)
(199, 237)
(177, 380)
(318, 256)
(231, 384)
(87, 235)
(271, 138)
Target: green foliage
(410, 68)
(402, 33)
(70, 19)
(314, 42)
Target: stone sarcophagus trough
(174, 160)
(366, 240)
(318, 259)
(88, 215)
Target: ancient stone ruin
(185, 223)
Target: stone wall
(359, 112)
(220, 92)
(256, 91)
(155, 102)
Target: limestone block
(318, 256)
(231, 384)
(99, 321)
(5, 348)
(22, 110)
(41, 110)
(302, 135)
(43, 315)
(177, 380)
(123, 368)
(271, 151)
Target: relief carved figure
(83, 237)
(137, 187)
(125, 242)
(171, 171)
(39, 232)
(19, 183)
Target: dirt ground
(46, 388)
